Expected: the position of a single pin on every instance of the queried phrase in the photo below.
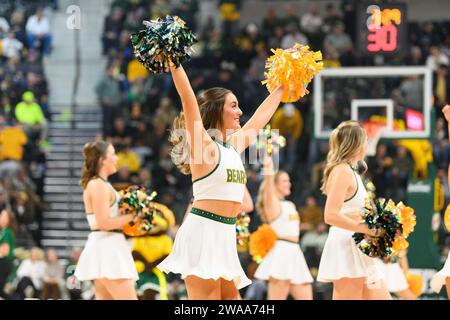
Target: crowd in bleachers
(25, 38)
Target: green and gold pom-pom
(396, 223)
(162, 41)
(269, 140)
(136, 200)
(293, 69)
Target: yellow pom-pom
(415, 283)
(399, 245)
(293, 69)
(447, 218)
(407, 218)
(261, 242)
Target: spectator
(38, 30)
(11, 46)
(270, 22)
(121, 133)
(4, 27)
(292, 37)
(436, 58)
(12, 141)
(73, 285)
(442, 85)
(289, 121)
(111, 30)
(108, 92)
(291, 20)
(7, 233)
(311, 215)
(31, 274)
(331, 17)
(136, 70)
(128, 159)
(230, 16)
(338, 40)
(312, 23)
(53, 277)
(30, 114)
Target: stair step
(60, 181)
(60, 149)
(65, 215)
(80, 225)
(56, 225)
(66, 198)
(88, 125)
(63, 243)
(76, 207)
(78, 156)
(60, 164)
(72, 189)
(65, 234)
(72, 133)
(68, 141)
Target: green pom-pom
(162, 41)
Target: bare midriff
(229, 209)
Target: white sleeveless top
(287, 224)
(226, 181)
(353, 205)
(113, 211)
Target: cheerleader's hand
(446, 111)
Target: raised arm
(247, 204)
(272, 205)
(337, 186)
(446, 111)
(242, 138)
(192, 117)
(99, 197)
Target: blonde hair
(346, 142)
(210, 103)
(260, 198)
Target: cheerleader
(394, 277)
(354, 275)
(443, 276)
(205, 250)
(284, 266)
(106, 258)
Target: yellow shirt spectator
(136, 70)
(128, 159)
(12, 140)
(289, 121)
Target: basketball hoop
(374, 131)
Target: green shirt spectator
(7, 237)
(28, 111)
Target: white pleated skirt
(393, 276)
(106, 255)
(342, 259)
(285, 262)
(206, 249)
(439, 278)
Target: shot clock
(382, 28)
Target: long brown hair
(210, 103)
(260, 198)
(345, 143)
(93, 152)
